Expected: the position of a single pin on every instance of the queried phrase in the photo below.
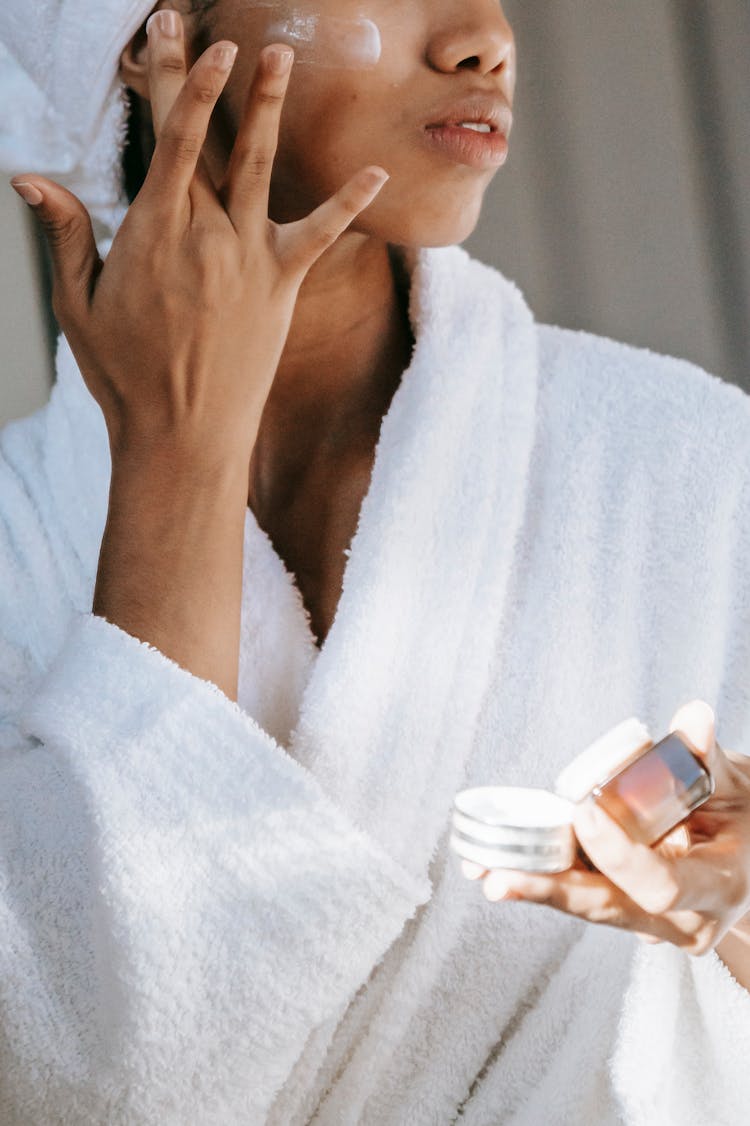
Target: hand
(180, 331)
(178, 335)
(692, 889)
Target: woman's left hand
(691, 889)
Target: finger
(471, 870)
(166, 64)
(70, 237)
(658, 883)
(696, 723)
(247, 182)
(587, 895)
(176, 164)
(642, 873)
(301, 243)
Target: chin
(421, 222)
(414, 208)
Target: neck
(348, 345)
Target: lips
(471, 131)
(476, 109)
(462, 145)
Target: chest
(313, 530)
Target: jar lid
(514, 807)
(604, 758)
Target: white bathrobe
(215, 914)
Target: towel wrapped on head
(63, 109)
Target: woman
(357, 533)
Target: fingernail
(374, 179)
(166, 22)
(28, 192)
(280, 61)
(224, 56)
(696, 721)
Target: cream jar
(648, 788)
(512, 827)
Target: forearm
(170, 565)
(734, 951)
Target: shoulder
(646, 425)
(635, 389)
(599, 392)
(602, 381)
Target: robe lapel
(388, 716)
(277, 646)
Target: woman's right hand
(178, 334)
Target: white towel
(236, 914)
(62, 107)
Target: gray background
(623, 208)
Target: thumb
(696, 721)
(70, 238)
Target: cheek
(328, 116)
(334, 125)
(329, 130)
(426, 211)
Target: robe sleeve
(683, 1042)
(180, 902)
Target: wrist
(179, 464)
(170, 563)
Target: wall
(25, 363)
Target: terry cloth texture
(223, 914)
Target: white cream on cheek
(325, 41)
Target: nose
(473, 35)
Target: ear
(132, 68)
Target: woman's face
(440, 61)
